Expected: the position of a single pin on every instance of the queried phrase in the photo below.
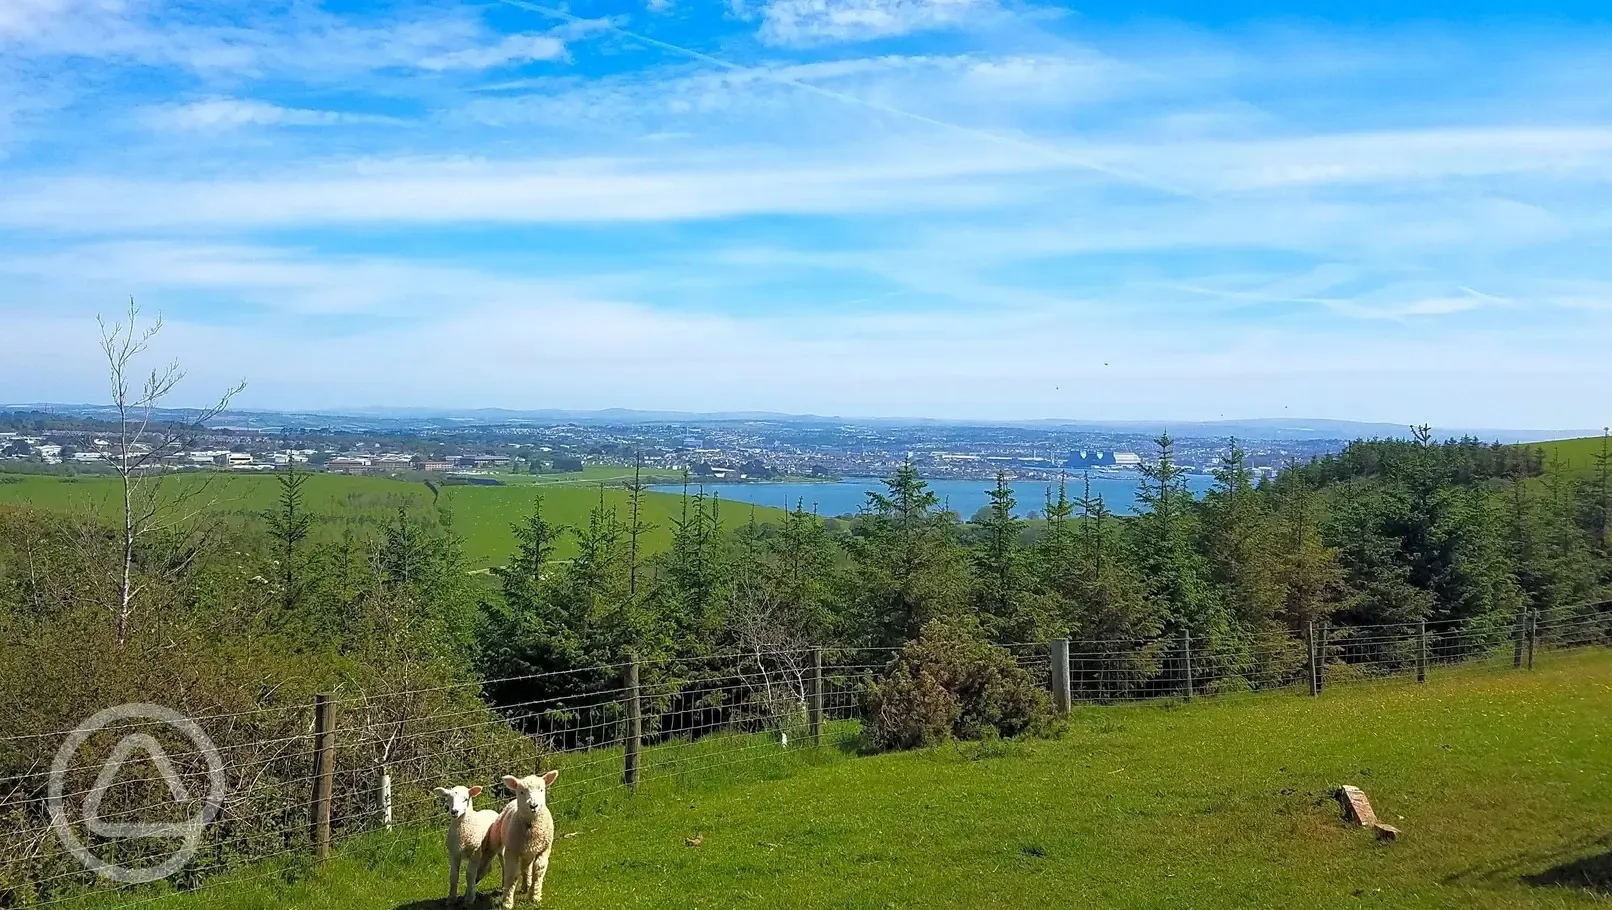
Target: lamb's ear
(549, 778)
(475, 792)
(439, 792)
(513, 784)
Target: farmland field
(1500, 779)
(1576, 454)
(481, 515)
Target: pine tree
(1598, 490)
(1238, 539)
(1308, 569)
(801, 560)
(1110, 610)
(996, 558)
(911, 566)
(530, 629)
(694, 589)
(1163, 536)
(289, 525)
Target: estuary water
(844, 497)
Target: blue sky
(956, 208)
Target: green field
(1500, 779)
(1575, 454)
(481, 515)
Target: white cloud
(215, 114)
(479, 338)
(513, 50)
(957, 173)
(810, 22)
(533, 191)
(254, 40)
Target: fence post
(1186, 651)
(1517, 639)
(1321, 656)
(814, 702)
(635, 728)
(1058, 675)
(324, 748)
(1421, 651)
(1533, 634)
(386, 797)
(1309, 649)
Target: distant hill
(392, 418)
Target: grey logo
(188, 833)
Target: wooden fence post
(1533, 635)
(1421, 651)
(1321, 656)
(635, 728)
(324, 748)
(1309, 649)
(1058, 675)
(1517, 639)
(1186, 651)
(814, 699)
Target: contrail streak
(999, 138)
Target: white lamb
(473, 839)
(527, 832)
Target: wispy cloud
(215, 114)
(514, 49)
(813, 22)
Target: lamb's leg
(472, 877)
(453, 878)
(526, 877)
(512, 865)
(540, 868)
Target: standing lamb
(473, 839)
(527, 830)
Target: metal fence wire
(299, 779)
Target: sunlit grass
(1498, 777)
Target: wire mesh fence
(370, 762)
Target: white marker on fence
(386, 798)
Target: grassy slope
(1493, 776)
(482, 515)
(1576, 454)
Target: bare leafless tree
(777, 652)
(142, 441)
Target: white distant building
(88, 457)
(1127, 460)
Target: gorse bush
(948, 684)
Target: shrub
(948, 684)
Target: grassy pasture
(481, 515)
(1501, 780)
(1575, 454)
